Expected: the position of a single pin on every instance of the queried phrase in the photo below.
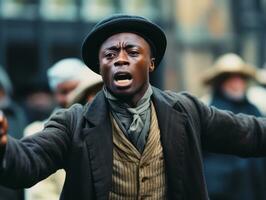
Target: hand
(3, 129)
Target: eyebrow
(118, 47)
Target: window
(147, 8)
(26, 9)
(93, 10)
(199, 20)
(65, 10)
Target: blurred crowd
(234, 85)
(70, 82)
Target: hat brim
(146, 29)
(213, 75)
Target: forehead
(124, 39)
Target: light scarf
(134, 122)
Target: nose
(122, 59)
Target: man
(65, 77)
(229, 79)
(133, 141)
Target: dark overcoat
(80, 141)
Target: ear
(152, 65)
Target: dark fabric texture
(79, 140)
(17, 122)
(229, 177)
(118, 23)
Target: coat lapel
(172, 127)
(98, 137)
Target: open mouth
(122, 79)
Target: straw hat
(228, 64)
(89, 81)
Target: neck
(133, 100)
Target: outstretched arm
(27, 161)
(224, 132)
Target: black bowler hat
(118, 23)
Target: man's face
(125, 62)
(235, 86)
(62, 90)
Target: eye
(109, 55)
(133, 53)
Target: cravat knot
(133, 121)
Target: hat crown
(230, 61)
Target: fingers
(3, 128)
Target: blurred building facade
(36, 33)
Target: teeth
(122, 81)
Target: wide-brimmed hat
(228, 64)
(88, 83)
(118, 23)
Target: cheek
(105, 73)
(142, 76)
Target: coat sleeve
(34, 158)
(224, 132)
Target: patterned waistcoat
(135, 175)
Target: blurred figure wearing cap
(133, 141)
(64, 77)
(229, 80)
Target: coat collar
(98, 137)
(98, 107)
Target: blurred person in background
(228, 177)
(17, 119)
(257, 93)
(71, 83)
(38, 103)
(63, 77)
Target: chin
(122, 93)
